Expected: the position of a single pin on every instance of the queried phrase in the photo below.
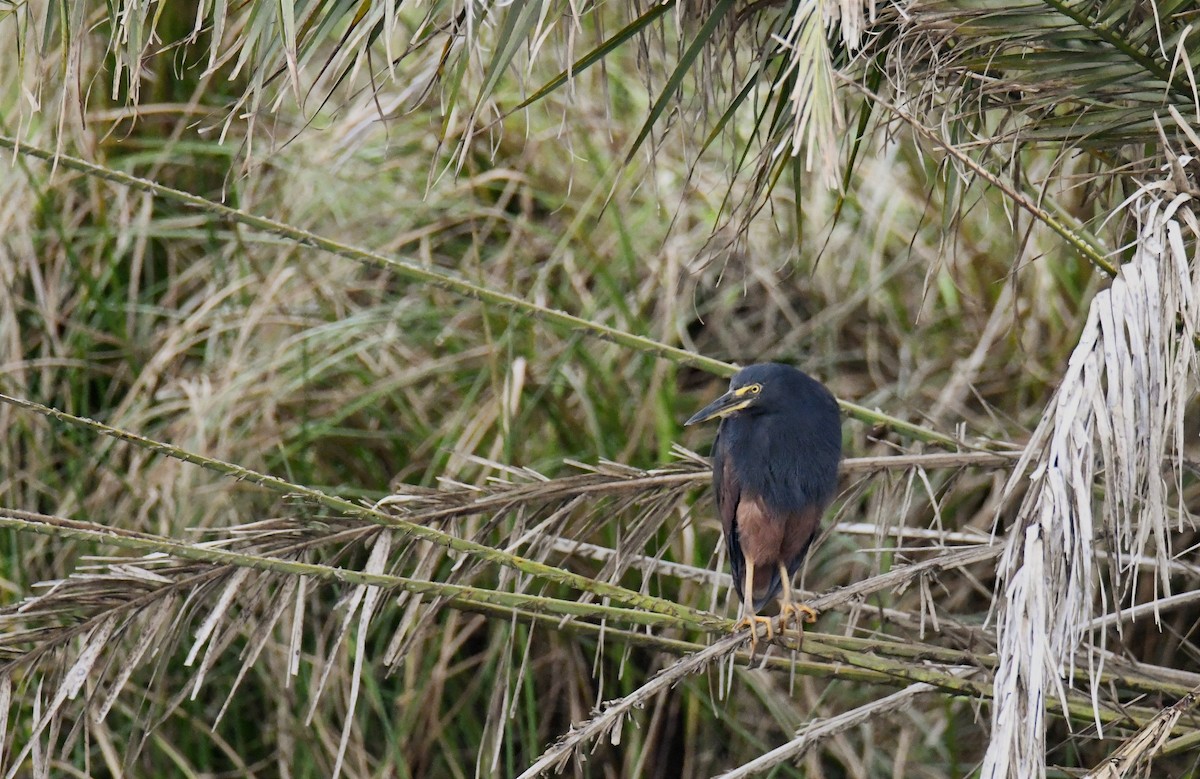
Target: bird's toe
(800, 612)
(753, 621)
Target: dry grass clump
(343, 398)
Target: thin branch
(452, 283)
(818, 730)
(471, 500)
(1138, 750)
(374, 516)
(900, 575)
(459, 595)
(1152, 607)
(1071, 235)
(613, 712)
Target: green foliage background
(645, 195)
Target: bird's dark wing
(727, 491)
(803, 527)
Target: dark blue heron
(775, 464)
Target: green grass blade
(417, 272)
(598, 53)
(685, 64)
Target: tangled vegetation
(345, 351)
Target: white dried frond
(816, 114)
(1120, 409)
(1159, 291)
(852, 17)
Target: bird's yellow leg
(789, 609)
(750, 618)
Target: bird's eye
(754, 389)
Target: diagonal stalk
(453, 283)
(458, 595)
(383, 519)
(1074, 236)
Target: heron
(775, 469)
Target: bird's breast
(786, 469)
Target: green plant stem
(1073, 234)
(496, 603)
(872, 660)
(854, 665)
(864, 659)
(453, 283)
(383, 519)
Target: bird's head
(763, 388)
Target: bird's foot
(753, 621)
(799, 612)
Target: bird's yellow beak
(729, 403)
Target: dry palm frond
(816, 116)
(1119, 409)
(1135, 754)
(103, 623)
(100, 624)
(1063, 71)
(1084, 74)
(379, 62)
